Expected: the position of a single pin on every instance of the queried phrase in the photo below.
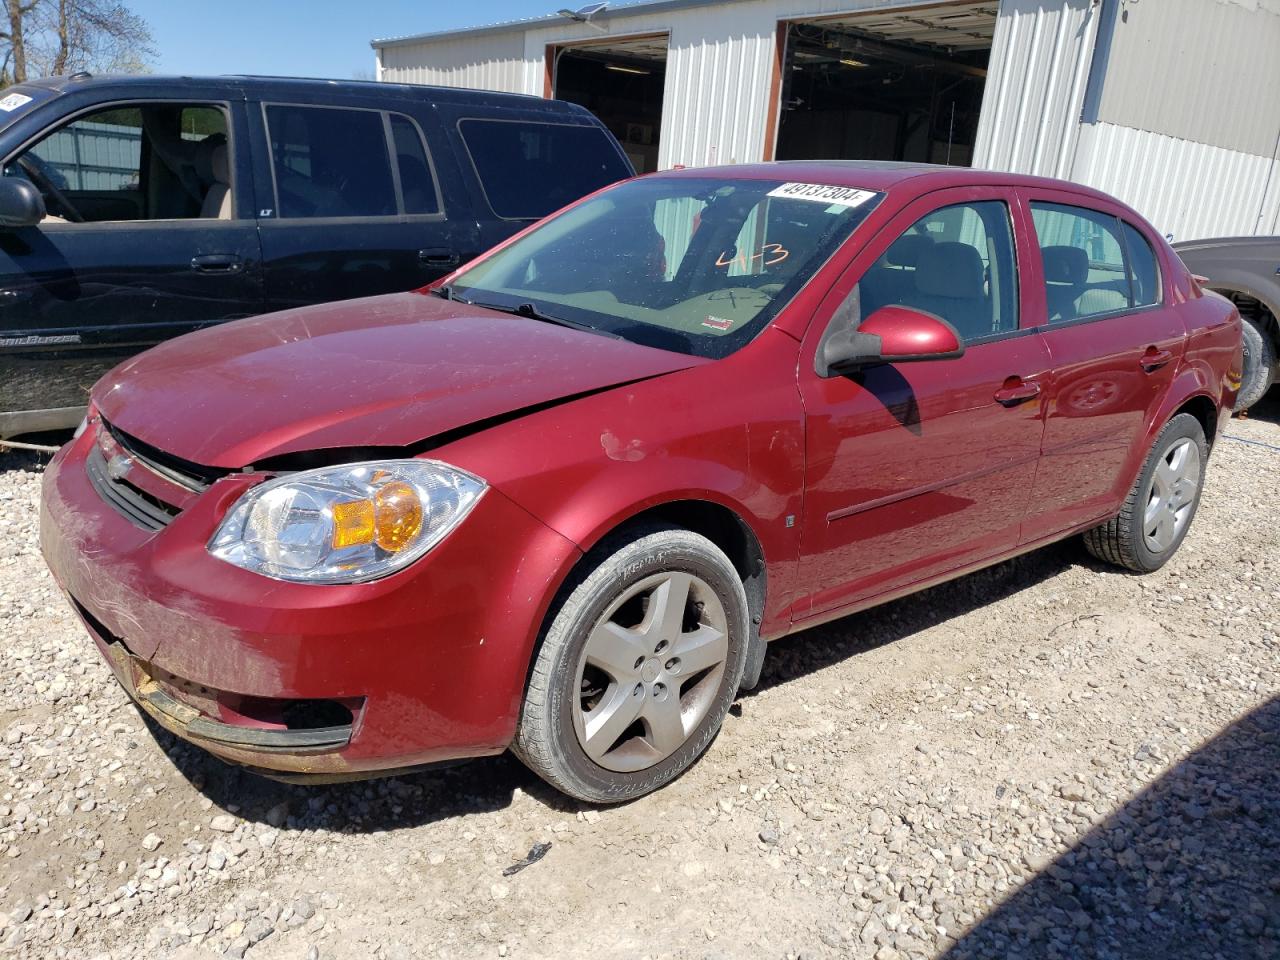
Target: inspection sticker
(13, 101)
(823, 193)
(717, 323)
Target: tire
(1259, 368)
(1159, 509)
(624, 695)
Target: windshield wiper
(445, 292)
(533, 313)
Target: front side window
(133, 162)
(1089, 270)
(697, 266)
(529, 169)
(330, 162)
(956, 262)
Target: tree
(58, 37)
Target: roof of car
(881, 175)
(257, 83)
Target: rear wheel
(1161, 504)
(637, 669)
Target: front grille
(137, 506)
(192, 476)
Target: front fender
(729, 433)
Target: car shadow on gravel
(490, 783)
(361, 806)
(1187, 869)
(1268, 408)
(809, 651)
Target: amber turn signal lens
(397, 516)
(352, 523)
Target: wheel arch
(724, 525)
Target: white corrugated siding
(487, 62)
(719, 68)
(1035, 88)
(1187, 189)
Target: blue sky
(309, 38)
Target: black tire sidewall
(1182, 427)
(675, 551)
(1257, 367)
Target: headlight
(346, 524)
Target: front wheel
(1161, 504)
(637, 669)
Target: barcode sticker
(823, 193)
(13, 101)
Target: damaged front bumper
(422, 667)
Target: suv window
(956, 262)
(528, 170)
(416, 181)
(1086, 271)
(127, 163)
(330, 162)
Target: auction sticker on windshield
(823, 193)
(13, 101)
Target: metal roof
(622, 10)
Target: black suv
(134, 209)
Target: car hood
(390, 371)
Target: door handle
(1153, 359)
(217, 263)
(438, 257)
(1016, 391)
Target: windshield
(698, 266)
(18, 101)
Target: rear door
(352, 201)
(1114, 344)
(149, 234)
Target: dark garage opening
(621, 82)
(901, 86)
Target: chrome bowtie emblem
(119, 466)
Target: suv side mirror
(21, 204)
(892, 334)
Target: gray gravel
(1046, 759)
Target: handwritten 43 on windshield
(769, 254)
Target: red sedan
(560, 501)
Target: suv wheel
(637, 669)
(1259, 364)
(1159, 508)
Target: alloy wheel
(650, 671)
(1172, 495)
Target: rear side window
(1090, 267)
(529, 170)
(417, 184)
(1142, 264)
(330, 162)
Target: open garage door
(620, 81)
(886, 86)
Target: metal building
(1172, 105)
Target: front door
(149, 234)
(1114, 348)
(917, 469)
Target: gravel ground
(1046, 759)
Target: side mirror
(891, 334)
(21, 204)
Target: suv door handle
(1016, 391)
(1153, 359)
(217, 263)
(438, 257)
